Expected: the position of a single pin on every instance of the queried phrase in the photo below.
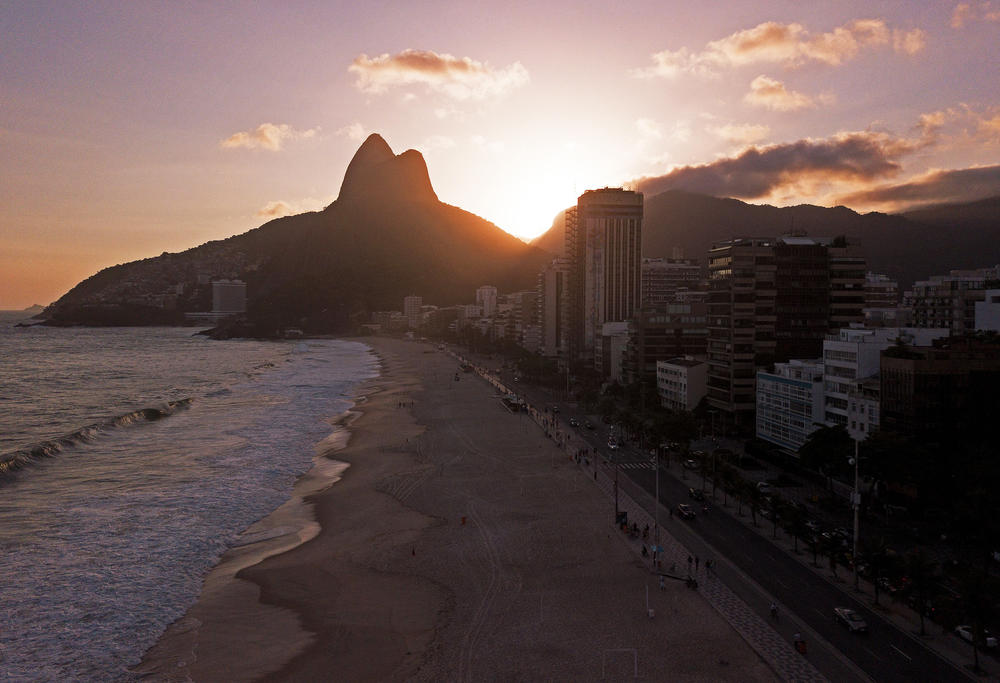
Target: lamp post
(856, 502)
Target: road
(885, 654)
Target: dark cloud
(935, 187)
(758, 171)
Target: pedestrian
(697, 561)
(663, 583)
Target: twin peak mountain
(385, 237)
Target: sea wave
(23, 457)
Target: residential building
(772, 300)
(863, 408)
(948, 388)
(681, 382)
(411, 309)
(663, 278)
(553, 284)
(950, 300)
(229, 297)
(790, 403)
(988, 311)
(852, 354)
(678, 329)
(604, 247)
(614, 341)
(881, 291)
(486, 298)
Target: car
(613, 445)
(696, 494)
(851, 619)
(685, 511)
(690, 464)
(763, 487)
(964, 631)
(573, 422)
(555, 409)
(588, 424)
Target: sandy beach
(459, 545)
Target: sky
(134, 128)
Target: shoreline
(287, 527)
(457, 545)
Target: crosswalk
(642, 465)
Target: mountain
(386, 236)
(908, 247)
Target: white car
(965, 633)
(851, 619)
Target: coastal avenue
(886, 654)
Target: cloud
(759, 171)
(268, 136)
(485, 144)
(648, 128)
(436, 142)
(961, 125)
(934, 187)
(354, 131)
(741, 133)
(279, 207)
(777, 43)
(771, 94)
(909, 42)
(459, 78)
(275, 209)
(966, 13)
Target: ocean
(130, 460)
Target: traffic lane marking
(908, 657)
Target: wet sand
(460, 545)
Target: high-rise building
(604, 247)
(881, 291)
(553, 285)
(771, 300)
(486, 297)
(663, 278)
(411, 310)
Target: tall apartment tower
(411, 310)
(486, 297)
(552, 300)
(771, 300)
(604, 247)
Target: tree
(876, 555)
(795, 524)
(827, 450)
(920, 569)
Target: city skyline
(129, 131)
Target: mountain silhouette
(385, 237)
(908, 247)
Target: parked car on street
(696, 494)
(685, 511)
(690, 464)
(573, 422)
(851, 619)
(588, 424)
(964, 632)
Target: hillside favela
(492, 342)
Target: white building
(486, 298)
(229, 297)
(790, 402)
(988, 311)
(411, 309)
(853, 354)
(681, 383)
(863, 408)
